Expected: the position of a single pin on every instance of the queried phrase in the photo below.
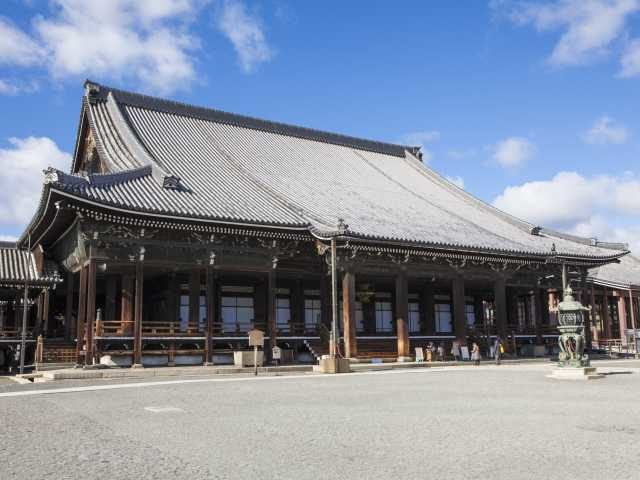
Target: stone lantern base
(575, 373)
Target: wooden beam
(69, 325)
(91, 309)
(459, 316)
(82, 313)
(349, 314)
(500, 296)
(137, 315)
(402, 315)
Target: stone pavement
(508, 422)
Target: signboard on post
(276, 353)
(465, 352)
(256, 339)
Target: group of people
(437, 351)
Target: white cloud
(589, 26)
(631, 59)
(8, 87)
(599, 206)
(457, 180)
(513, 151)
(605, 131)
(21, 180)
(245, 31)
(8, 238)
(420, 139)
(144, 40)
(16, 47)
(118, 39)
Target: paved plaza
(508, 422)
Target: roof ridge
(149, 102)
(58, 177)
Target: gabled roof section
(233, 168)
(625, 274)
(18, 266)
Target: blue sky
(531, 105)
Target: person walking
(498, 350)
(475, 354)
(440, 352)
(455, 350)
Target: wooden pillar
(82, 313)
(91, 309)
(69, 325)
(46, 305)
(402, 315)
(39, 316)
(110, 298)
(633, 310)
(349, 314)
(458, 303)
(427, 310)
(137, 316)
(126, 305)
(272, 328)
(211, 313)
(622, 317)
(607, 314)
(500, 296)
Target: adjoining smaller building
(613, 292)
(20, 270)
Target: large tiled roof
(18, 267)
(625, 274)
(234, 168)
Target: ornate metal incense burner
(571, 327)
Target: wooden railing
(106, 328)
(11, 332)
(116, 328)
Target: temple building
(177, 229)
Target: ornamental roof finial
(342, 227)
